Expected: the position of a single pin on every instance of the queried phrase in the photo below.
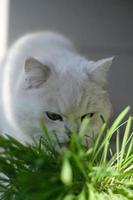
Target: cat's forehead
(74, 65)
(72, 95)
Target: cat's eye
(54, 116)
(90, 115)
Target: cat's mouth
(64, 144)
(61, 147)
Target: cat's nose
(71, 126)
(68, 132)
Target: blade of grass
(97, 142)
(125, 138)
(84, 127)
(128, 162)
(130, 148)
(112, 130)
(117, 146)
(45, 131)
(105, 152)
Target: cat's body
(42, 75)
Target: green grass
(38, 172)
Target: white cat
(44, 77)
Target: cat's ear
(99, 70)
(36, 73)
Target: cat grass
(38, 172)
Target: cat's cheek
(54, 126)
(93, 128)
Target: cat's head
(62, 95)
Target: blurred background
(99, 28)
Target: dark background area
(99, 28)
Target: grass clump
(38, 172)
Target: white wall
(4, 16)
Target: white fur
(73, 86)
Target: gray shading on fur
(44, 73)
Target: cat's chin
(62, 147)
